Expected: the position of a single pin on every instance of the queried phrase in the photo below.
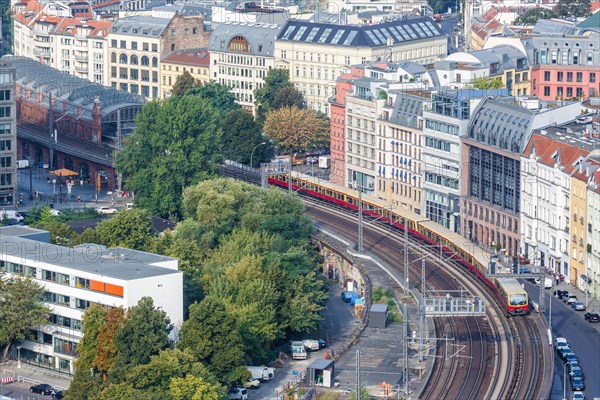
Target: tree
(144, 334)
(21, 309)
(570, 8)
(288, 96)
(531, 16)
(175, 144)
(219, 96)
(276, 79)
(242, 135)
(106, 347)
(85, 382)
(131, 229)
(121, 391)
(485, 82)
(194, 388)
(295, 129)
(183, 84)
(211, 336)
(60, 234)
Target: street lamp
(565, 381)
(18, 356)
(252, 153)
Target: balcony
(82, 70)
(83, 59)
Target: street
(583, 337)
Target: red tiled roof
(545, 149)
(194, 57)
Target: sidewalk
(592, 305)
(33, 375)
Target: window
(194, 31)
(82, 304)
(569, 92)
(145, 61)
(592, 77)
(123, 58)
(580, 77)
(123, 44)
(5, 112)
(133, 45)
(82, 283)
(546, 90)
(569, 76)
(113, 43)
(5, 162)
(5, 129)
(154, 47)
(4, 95)
(559, 76)
(546, 76)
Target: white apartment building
(316, 53)
(52, 35)
(8, 135)
(593, 236)
(74, 279)
(241, 54)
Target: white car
(560, 342)
(252, 383)
(238, 393)
(578, 396)
(106, 210)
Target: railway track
(492, 368)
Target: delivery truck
(298, 350)
(262, 373)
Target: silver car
(578, 306)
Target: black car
(58, 395)
(591, 317)
(560, 293)
(577, 383)
(42, 388)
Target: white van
(11, 215)
(238, 393)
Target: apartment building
(241, 55)
(137, 44)
(76, 278)
(593, 250)
(316, 53)
(491, 184)
(8, 135)
(564, 66)
(196, 62)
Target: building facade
(241, 55)
(316, 53)
(593, 214)
(196, 62)
(564, 67)
(76, 278)
(8, 135)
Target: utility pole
(405, 351)
(358, 375)
(422, 313)
(51, 131)
(406, 254)
(361, 247)
(119, 148)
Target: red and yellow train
(453, 245)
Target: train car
(447, 242)
(514, 296)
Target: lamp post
(18, 356)
(252, 153)
(565, 381)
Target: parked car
(106, 210)
(55, 213)
(577, 383)
(314, 344)
(42, 388)
(560, 293)
(578, 396)
(578, 306)
(571, 358)
(57, 395)
(575, 371)
(238, 393)
(129, 206)
(252, 383)
(570, 299)
(591, 317)
(563, 351)
(560, 342)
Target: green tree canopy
(218, 95)
(288, 96)
(570, 8)
(531, 16)
(485, 82)
(106, 346)
(194, 388)
(292, 128)
(183, 84)
(144, 334)
(21, 309)
(242, 135)
(175, 144)
(131, 229)
(276, 80)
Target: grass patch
(383, 295)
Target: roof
(321, 364)
(193, 57)
(260, 37)
(551, 151)
(399, 31)
(554, 27)
(117, 263)
(591, 24)
(379, 308)
(407, 108)
(140, 26)
(76, 92)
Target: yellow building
(578, 228)
(194, 61)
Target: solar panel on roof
(300, 32)
(324, 35)
(312, 34)
(350, 38)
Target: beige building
(315, 53)
(137, 44)
(195, 61)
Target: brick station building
(80, 131)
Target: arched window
(113, 57)
(133, 60)
(154, 61)
(239, 44)
(123, 58)
(145, 61)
